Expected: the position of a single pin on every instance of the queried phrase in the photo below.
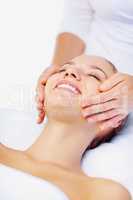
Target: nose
(74, 73)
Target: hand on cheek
(112, 105)
(40, 107)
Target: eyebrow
(93, 66)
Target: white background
(28, 29)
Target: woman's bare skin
(56, 154)
(76, 185)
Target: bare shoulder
(109, 189)
(117, 190)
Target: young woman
(56, 154)
(103, 28)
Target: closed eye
(94, 76)
(61, 70)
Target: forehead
(88, 62)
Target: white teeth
(69, 87)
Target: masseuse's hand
(40, 98)
(114, 102)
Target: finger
(100, 108)
(40, 92)
(43, 78)
(40, 106)
(112, 123)
(115, 93)
(37, 100)
(48, 72)
(40, 117)
(105, 115)
(112, 81)
(100, 98)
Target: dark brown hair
(107, 138)
(113, 66)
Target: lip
(68, 82)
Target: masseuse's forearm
(67, 47)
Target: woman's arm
(67, 47)
(73, 31)
(77, 18)
(71, 42)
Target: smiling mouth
(69, 87)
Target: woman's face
(73, 82)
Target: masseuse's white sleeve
(77, 18)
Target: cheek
(90, 87)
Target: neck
(62, 144)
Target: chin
(62, 110)
(62, 99)
(62, 104)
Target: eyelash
(94, 76)
(62, 70)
